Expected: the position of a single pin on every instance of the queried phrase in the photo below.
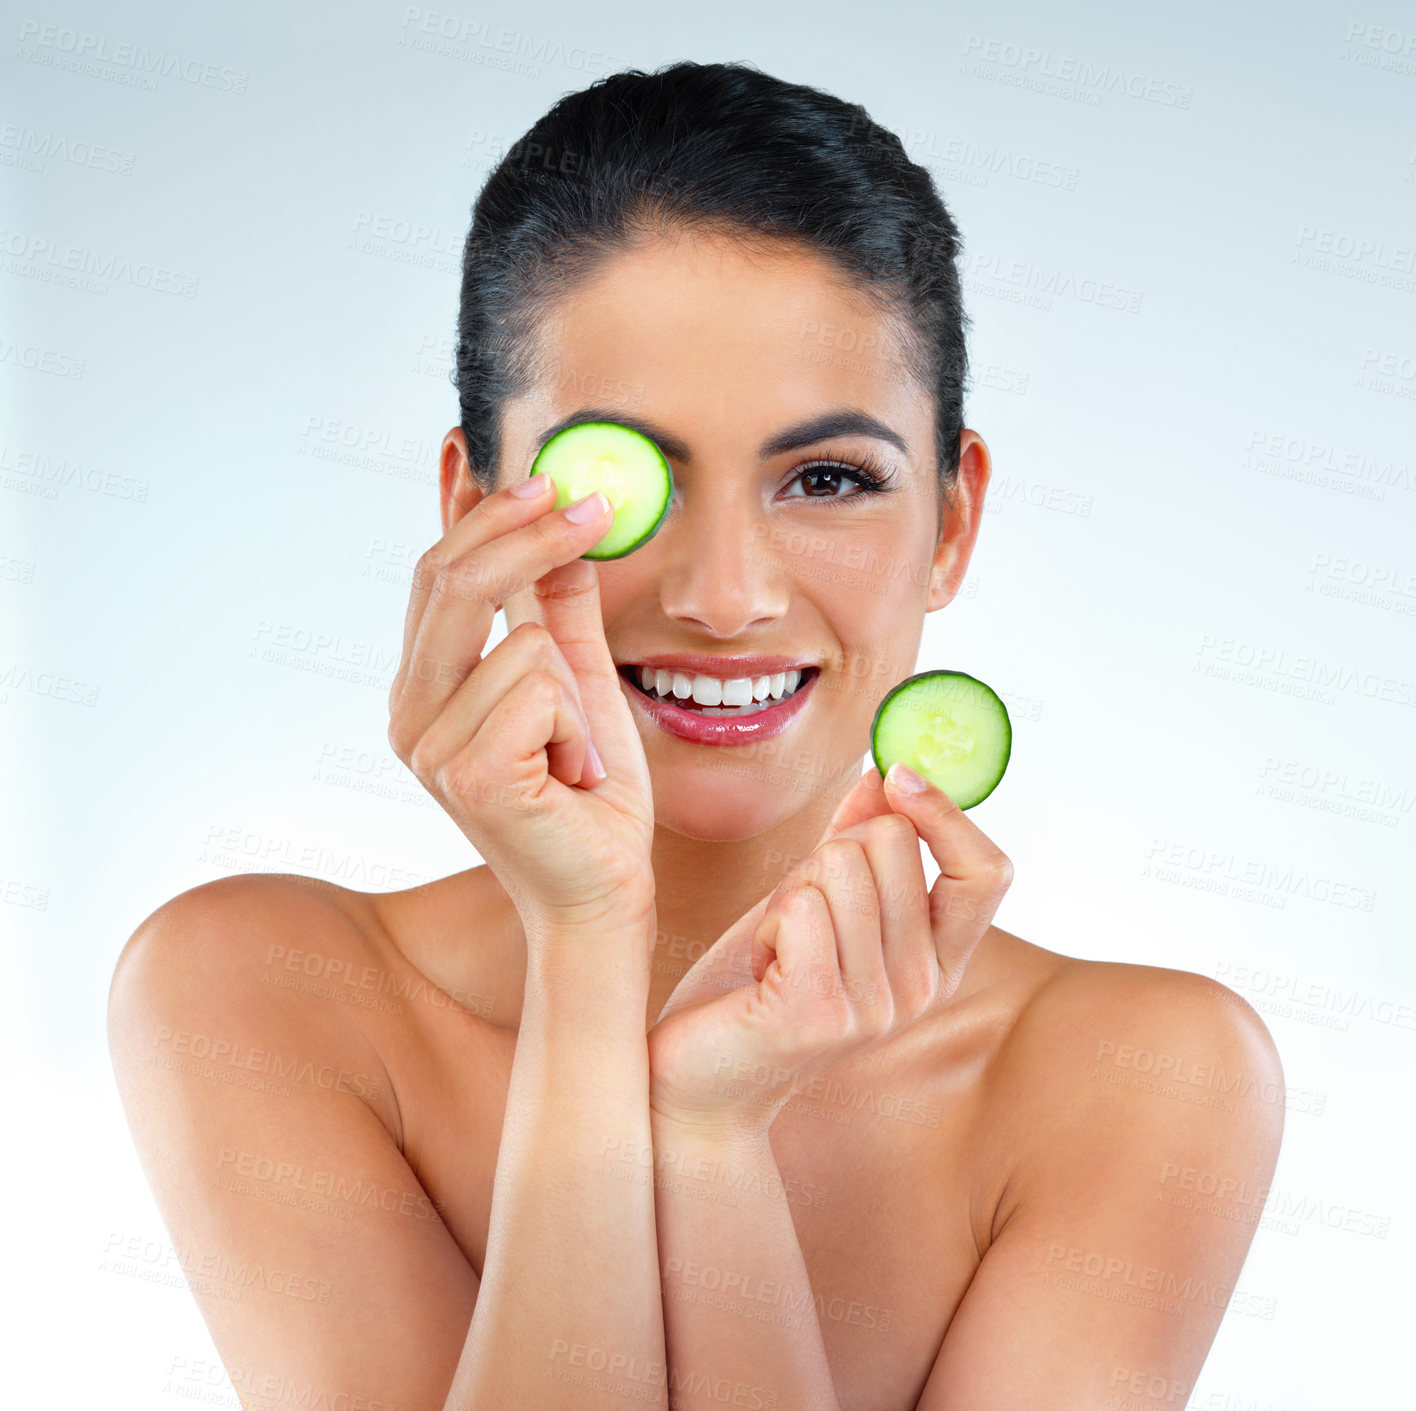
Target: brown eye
(870, 479)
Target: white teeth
(707, 691)
(718, 695)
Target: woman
(694, 1094)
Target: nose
(720, 574)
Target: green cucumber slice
(949, 727)
(626, 465)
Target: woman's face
(720, 349)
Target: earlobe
(939, 594)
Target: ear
(457, 487)
(959, 520)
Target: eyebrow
(843, 421)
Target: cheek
(623, 584)
(875, 609)
(878, 651)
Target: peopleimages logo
(51, 261)
(1379, 47)
(122, 61)
(1023, 282)
(23, 146)
(512, 50)
(1062, 76)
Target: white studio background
(230, 275)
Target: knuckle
(535, 643)
(543, 686)
(430, 564)
(457, 779)
(894, 828)
(836, 857)
(548, 536)
(421, 760)
(1000, 874)
(555, 529)
(794, 895)
(461, 580)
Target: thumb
(866, 799)
(734, 960)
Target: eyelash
(872, 475)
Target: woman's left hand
(797, 986)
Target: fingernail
(588, 509)
(592, 756)
(903, 780)
(525, 489)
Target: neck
(702, 887)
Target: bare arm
(750, 1244)
(1106, 1281)
(313, 1251)
(570, 1312)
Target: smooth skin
(697, 1088)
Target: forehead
(721, 341)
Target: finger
(797, 931)
(839, 869)
(734, 960)
(461, 582)
(960, 847)
(526, 649)
(567, 603)
(891, 845)
(493, 515)
(866, 799)
(504, 764)
(496, 514)
(974, 873)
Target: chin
(726, 803)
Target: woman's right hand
(501, 741)
(848, 950)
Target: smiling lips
(696, 689)
(718, 710)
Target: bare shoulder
(264, 1119)
(1145, 1018)
(223, 973)
(1118, 1067)
(228, 930)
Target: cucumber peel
(950, 728)
(623, 463)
